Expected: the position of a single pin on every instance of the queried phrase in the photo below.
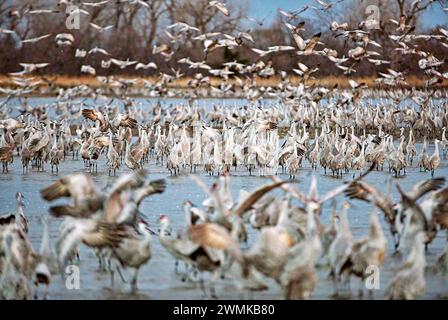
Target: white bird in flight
(220, 6)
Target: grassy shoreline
(65, 81)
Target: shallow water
(157, 279)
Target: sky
(261, 8)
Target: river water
(157, 279)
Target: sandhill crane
(46, 262)
(179, 247)
(444, 142)
(190, 249)
(134, 250)
(74, 146)
(360, 161)
(21, 221)
(366, 252)
(118, 228)
(411, 151)
(409, 282)
(160, 145)
(216, 237)
(217, 156)
(434, 160)
(313, 156)
(442, 263)
(38, 146)
(361, 190)
(129, 159)
(19, 265)
(184, 145)
(341, 248)
(55, 155)
(93, 156)
(109, 220)
(174, 159)
(298, 277)
(26, 157)
(269, 252)
(12, 282)
(313, 199)
(433, 209)
(325, 156)
(196, 153)
(6, 157)
(437, 203)
(113, 158)
(292, 163)
(227, 213)
(86, 198)
(378, 155)
(337, 159)
(397, 161)
(423, 158)
(18, 218)
(85, 151)
(329, 234)
(416, 220)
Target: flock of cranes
(277, 132)
(263, 140)
(292, 241)
(234, 76)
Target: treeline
(136, 27)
